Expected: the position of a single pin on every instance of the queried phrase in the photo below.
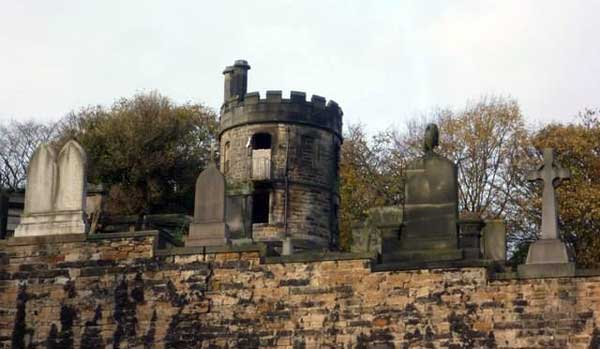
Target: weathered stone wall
(119, 292)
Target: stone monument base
(546, 251)
(428, 255)
(547, 258)
(55, 223)
(207, 234)
(545, 270)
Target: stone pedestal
(547, 251)
(207, 234)
(547, 258)
(53, 223)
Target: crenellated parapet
(251, 109)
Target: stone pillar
(494, 240)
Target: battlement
(251, 109)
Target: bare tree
(18, 141)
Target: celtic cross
(551, 174)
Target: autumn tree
(368, 178)
(18, 141)
(146, 149)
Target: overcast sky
(382, 61)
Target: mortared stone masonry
(118, 291)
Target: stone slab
(207, 234)
(209, 206)
(546, 270)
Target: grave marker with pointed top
(208, 227)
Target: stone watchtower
(281, 161)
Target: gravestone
(55, 192)
(430, 214)
(548, 256)
(209, 227)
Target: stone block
(385, 216)
(207, 234)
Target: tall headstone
(548, 256)
(209, 227)
(430, 217)
(55, 192)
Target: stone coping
(309, 257)
(66, 238)
(515, 276)
(123, 235)
(412, 265)
(179, 251)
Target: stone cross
(551, 174)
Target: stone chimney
(236, 80)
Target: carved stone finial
(431, 139)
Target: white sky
(382, 61)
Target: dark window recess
(260, 208)
(226, 156)
(307, 150)
(261, 141)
